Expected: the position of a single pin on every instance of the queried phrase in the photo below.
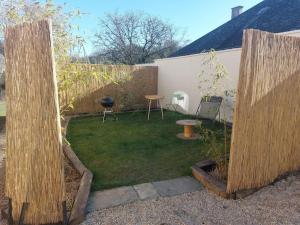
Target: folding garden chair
(209, 107)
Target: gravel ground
(275, 204)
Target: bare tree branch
(133, 38)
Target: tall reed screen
(266, 128)
(128, 85)
(34, 164)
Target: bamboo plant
(213, 80)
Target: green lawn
(133, 150)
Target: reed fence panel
(266, 128)
(34, 156)
(128, 85)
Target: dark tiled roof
(270, 15)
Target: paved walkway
(124, 195)
(277, 204)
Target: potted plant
(213, 173)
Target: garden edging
(78, 211)
(201, 173)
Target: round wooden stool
(188, 133)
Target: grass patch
(133, 150)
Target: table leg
(161, 109)
(149, 109)
(188, 131)
(104, 116)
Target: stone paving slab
(176, 186)
(110, 198)
(146, 191)
(124, 195)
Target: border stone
(177, 186)
(111, 198)
(146, 191)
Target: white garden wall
(182, 74)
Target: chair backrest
(209, 107)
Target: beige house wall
(182, 74)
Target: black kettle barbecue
(108, 103)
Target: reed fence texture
(266, 128)
(34, 163)
(128, 85)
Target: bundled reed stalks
(266, 129)
(127, 84)
(34, 163)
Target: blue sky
(196, 17)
